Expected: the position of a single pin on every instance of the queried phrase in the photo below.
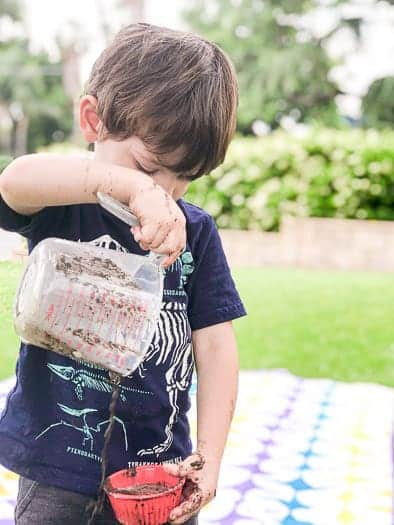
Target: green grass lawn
(315, 324)
(318, 324)
(9, 275)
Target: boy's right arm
(33, 182)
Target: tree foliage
(10, 8)
(4, 161)
(31, 93)
(278, 73)
(378, 103)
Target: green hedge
(328, 173)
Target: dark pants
(39, 504)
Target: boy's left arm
(216, 358)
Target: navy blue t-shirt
(52, 427)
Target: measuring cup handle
(124, 213)
(117, 208)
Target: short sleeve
(37, 226)
(12, 221)
(213, 297)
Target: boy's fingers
(191, 464)
(173, 243)
(136, 232)
(144, 246)
(183, 519)
(171, 247)
(187, 508)
(149, 232)
(170, 259)
(160, 236)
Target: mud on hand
(198, 489)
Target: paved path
(9, 242)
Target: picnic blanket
(300, 452)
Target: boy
(160, 107)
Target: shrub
(328, 173)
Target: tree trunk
(6, 130)
(135, 10)
(72, 83)
(21, 129)
(103, 20)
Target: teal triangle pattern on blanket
(300, 452)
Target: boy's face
(132, 153)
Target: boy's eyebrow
(158, 162)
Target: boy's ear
(89, 122)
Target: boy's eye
(145, 170)
(149, 172)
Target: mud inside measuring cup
(89, 303)
(143, 489)
(149, 267)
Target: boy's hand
(162, 224)
(198, 490)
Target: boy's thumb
(192, 463)
(136, 231)
(172, 468)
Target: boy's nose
(168, 182)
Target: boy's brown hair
(170, 88)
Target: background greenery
(281, 59)
(378, 103)
(4, 160)
(9, 275)
(32, 93)
(315, 324)
(278, 74)
(328, 173)
(282, 64)
(318, 324)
